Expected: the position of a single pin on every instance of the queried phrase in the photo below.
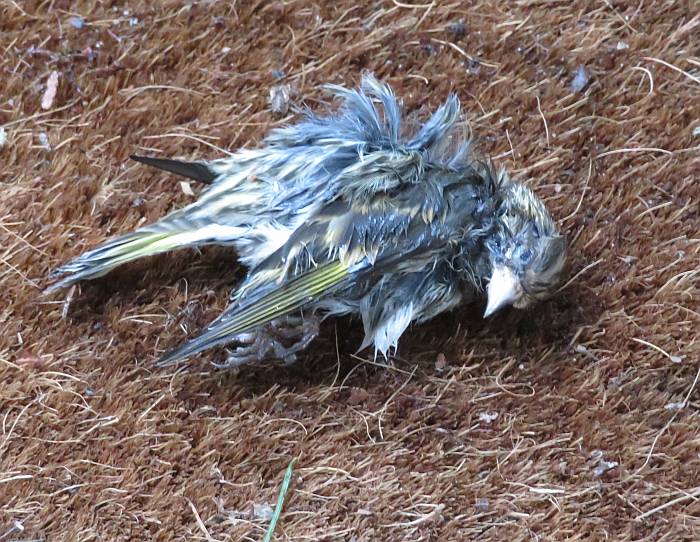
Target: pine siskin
(348, 214)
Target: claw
(266, 344)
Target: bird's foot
(268, 342)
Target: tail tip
(171, 356)
(56, 283)
(51, 288)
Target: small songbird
(351, 213)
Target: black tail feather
(197, 171)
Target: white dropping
(186, 188)
(488, 417)
(50, 92)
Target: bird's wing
(197, 171)
(343, 246)
(387, 233)
(276, 303)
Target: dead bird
(350, 213)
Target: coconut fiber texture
(577, 420)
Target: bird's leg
(303, 330)
(266, 343)
(254, 344)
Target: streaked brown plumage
(347, 214)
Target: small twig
(15, 478)
(692, 495)
(15, 5)
(280, 501)
(544, 120)
(464, 53)
(434, 515)
(187, 136)
(8, 434)
(675, 68)
(577, 275)
(425, 14)
(583, 193)
(665, 427)
(200, 523)
(673, 359)
(651, 78)
(512, 151)
(67, 302)
(379, 413)
(634, 149)
(25, 277)
(331, 388)
(42, 114)
(414, 6)
(132, 92)
(23, 240)
(683, 30)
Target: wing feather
(197, 171)
(280, 301)
(344, 251)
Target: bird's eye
(525, 256)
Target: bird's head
(527, 252)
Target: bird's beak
(504, 288)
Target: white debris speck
(279, 99)
(77, 22)
(676, 359)
(696, 131)
(225, 50)
(604, 466)
(621, 46)
(488, 417)
(580, 79)
(600, 464)
(481, 505)
(186, 188)
(3, 136)
(262, 511)
(44, 140)
(133, 21)
(675, 406)
(50, 92)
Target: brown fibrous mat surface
(576, 420)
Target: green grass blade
(280, 501)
